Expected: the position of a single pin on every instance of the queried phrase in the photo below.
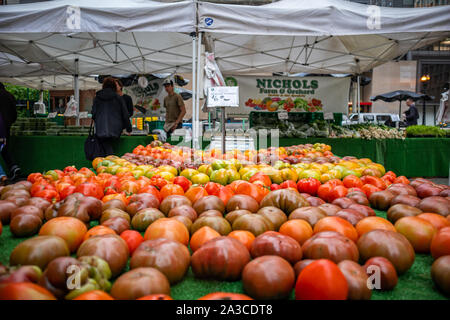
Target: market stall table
(42, 153)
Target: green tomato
(218, 164)
(249, 174)
(233, 175)
(310, 173)
(53, 174)
(220, 176)
(188, 173)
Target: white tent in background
(80, 39)
(321, 36)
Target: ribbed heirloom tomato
(182, 182)
(98, 231)
(352, 181)
(321, 280)
(195, 193)
(90, 189)
(170, 190)
(308, 185)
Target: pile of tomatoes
(279, 228)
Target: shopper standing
(110, 116)
(412, 115)
(126, 98)
(175, 109)
(8, 113)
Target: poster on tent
(305, 94)
(151, 97)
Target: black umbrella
(401, 95)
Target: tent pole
(198, 79)
(400, 109)
(194, 88)
(76, 89)
(359, 98)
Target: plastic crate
(338, 118)
(153, 125)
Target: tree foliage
(20, 92)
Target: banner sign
(151, 98)
(302, 94)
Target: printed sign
(290, 94)
(223, 97)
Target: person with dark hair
(110, 116)
(8, 114)
(175, 109)
(412, 115)
(126, 98)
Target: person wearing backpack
(110, 116)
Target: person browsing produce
(411, 114)
(175, 109)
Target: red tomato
(335, 182)
(66, 192)
(86, 172)
(90, 189)
(350, 190)
(274, 187)
(324, 190)
(352, 181)
(259, 176)
(171, 189)
(182, 182)
(132, 238)
(70, 169)
(34, 177)
(368, 189)
(337, 192)
(321, 280)
(308, 185)
(212, 188)
(51, 196)
(390, 173)
(401, 179)
(129, 187)
(152, 190)
(288, 184)
(158, 181)
(375, 181)
(225, 194)
(250, 189)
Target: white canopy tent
(46, 43)
(321, 36)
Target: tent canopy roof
(322, 36)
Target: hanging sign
(223, 97)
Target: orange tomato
(94, 295)
(71, 230)
(171, 189)
(168, 228)
(298, 229)
(436, 220)
(201, 236)
(375, 181)
(401, 179)
(250, 189)
(225, 194)
(369, 189)
(373, 223)
(244, 236)
(335, 182)
(195, 193)
(118, 196)
(98, 231)
(336, 224)
(152, 190)
(352, 181)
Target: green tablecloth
(42, 153)
(412, 157)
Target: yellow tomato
(169, 169)
(167, 175)
(326, 177)
(336, 174)
(322, 168)
(123, 169)
(289, 174)
(112, 157)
